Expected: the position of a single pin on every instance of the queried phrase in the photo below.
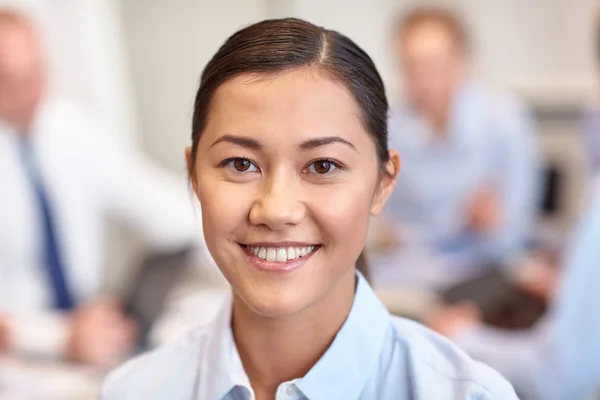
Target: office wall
(169, 42)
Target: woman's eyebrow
(251, 143)
(322, 141)
(243, 141)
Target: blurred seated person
(468, 190)
(60, 176)
(559, 358)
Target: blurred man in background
(60, 176)
(467, 195)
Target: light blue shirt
(373, 357)
(560, 358)
(591, 137)
(491, 143)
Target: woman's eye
(241, 165)
(321, 167)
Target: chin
(270, 302)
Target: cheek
(344, 218)
(225, 208)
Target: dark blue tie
(52, 260)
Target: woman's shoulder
(166, 372)
(440, 367)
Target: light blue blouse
(374, 356)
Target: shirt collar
(343, 370)
(340, 373)
(222, 366)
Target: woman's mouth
(278, 257)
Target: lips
(280, 257)
(280, 254)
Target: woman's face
(287, 178)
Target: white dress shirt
(87, 177)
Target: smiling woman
(279, 170)
(289, 160)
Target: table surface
(25, 379)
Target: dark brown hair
(272, 46)
(448, 20)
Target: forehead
(18, 45)
(428, 37)
(300, 101)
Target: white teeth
(271, 254)
(291, 253)
(280, 254)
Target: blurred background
(138, 62)
(135, 64)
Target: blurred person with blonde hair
(468, 191)
(60, 176)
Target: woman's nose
(278, 204)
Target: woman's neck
(276, 350)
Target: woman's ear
(190, 168)
(387, 182)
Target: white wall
(169, 43)
(543, 48)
